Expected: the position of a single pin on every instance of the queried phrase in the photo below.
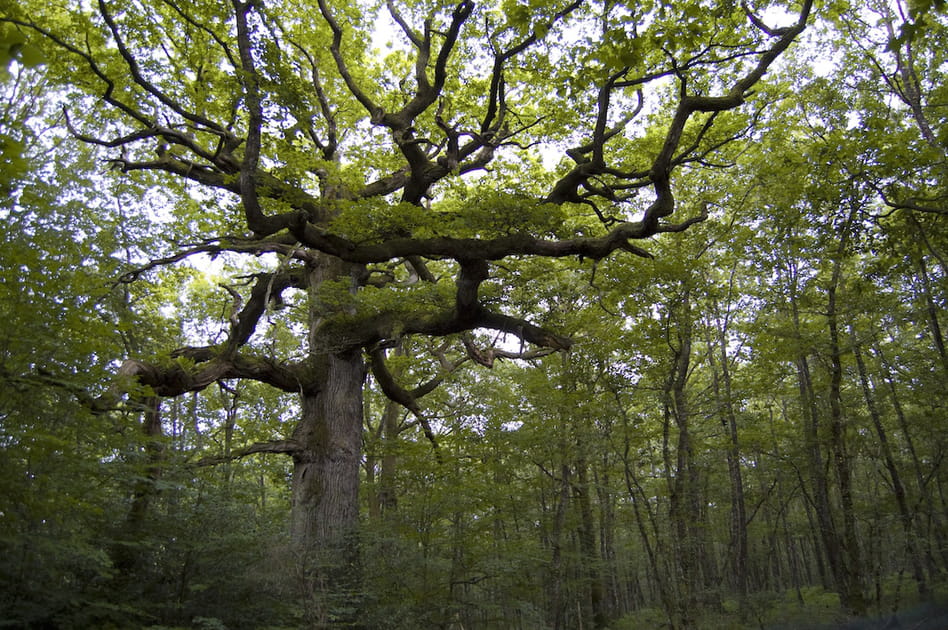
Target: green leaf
(31, 56)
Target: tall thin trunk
(932, 520)
(909, 87)
(820, 499)
(230, 424)
(611, 585)
(587, 544)
(657, 571)
(683, 479)
(850, 570)
(895, 477)
(724, 396)
(932, 311)
(387, 495)
(558, 596)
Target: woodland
(507, 314)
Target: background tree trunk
(898, 488)
(721, 386)
(850, 570)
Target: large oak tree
(391, 184)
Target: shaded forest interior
(542, 315)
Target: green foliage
(481, 213)
(15, 47)
(594, 488)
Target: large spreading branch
(518, 244)
(590, 158)
(178, 377)
(689, 104)
(217, 246)
(465, 314)
(304, 234)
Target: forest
(506, 314)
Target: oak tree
(383, 162)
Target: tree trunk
(613, 605)
(324, 518)
(125, 554)
(812, 441)
(325, 496)
(932, 310)
(387, 495)
(557, 592)
(905, 512)
(931, 521)
(849, 575)
(683, 478)
(639, 498)
(587, 545)
(725, 400)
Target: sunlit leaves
(15, 47)
(481, 213)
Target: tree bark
(324, 518)
(325, 495)
(849, 575)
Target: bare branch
(398, 394)
(280, 447)
(409, 32)
(259, 223)
(488, 356)
(493, 118)
(375, 112)
(190, 20)
(332, 140)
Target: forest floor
(818, 610)
(931, 616)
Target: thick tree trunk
(325, 508)
(324, 519)
(125, 555)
